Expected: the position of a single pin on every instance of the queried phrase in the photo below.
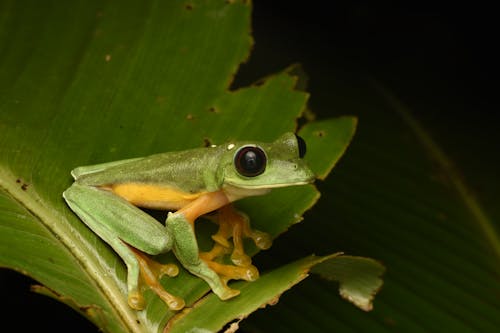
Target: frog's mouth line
(270, 186)
(285, 184)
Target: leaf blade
(114, 80)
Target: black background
(440, 59)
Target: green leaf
(86, 82)
(359, 278)
(322, 155)
(265, 291)
(398, 197)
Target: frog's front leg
(116, 221)
(181, 225)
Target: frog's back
(173, 169)
(96, 168)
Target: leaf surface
(398, 197)
(87, 82)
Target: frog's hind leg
(151, 271)
(116, 221)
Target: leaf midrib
(471, 203)
(59, 227)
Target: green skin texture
(210, 169)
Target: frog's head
(257, 167)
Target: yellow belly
(153, 196)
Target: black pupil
(250, 161)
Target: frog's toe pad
(262, 240)
(177, 304)
(251, 273)
(228, 293)
(169, 270)
(136, 301)
(174, 303)
(241, 259)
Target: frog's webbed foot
(228, 272)
(231, 272)
(151, 272)
(234, 224)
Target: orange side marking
(153, 196)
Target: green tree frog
(188, 184)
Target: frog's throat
(234, 193)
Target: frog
(111, 198)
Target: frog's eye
(302, 146)
(250, 161)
